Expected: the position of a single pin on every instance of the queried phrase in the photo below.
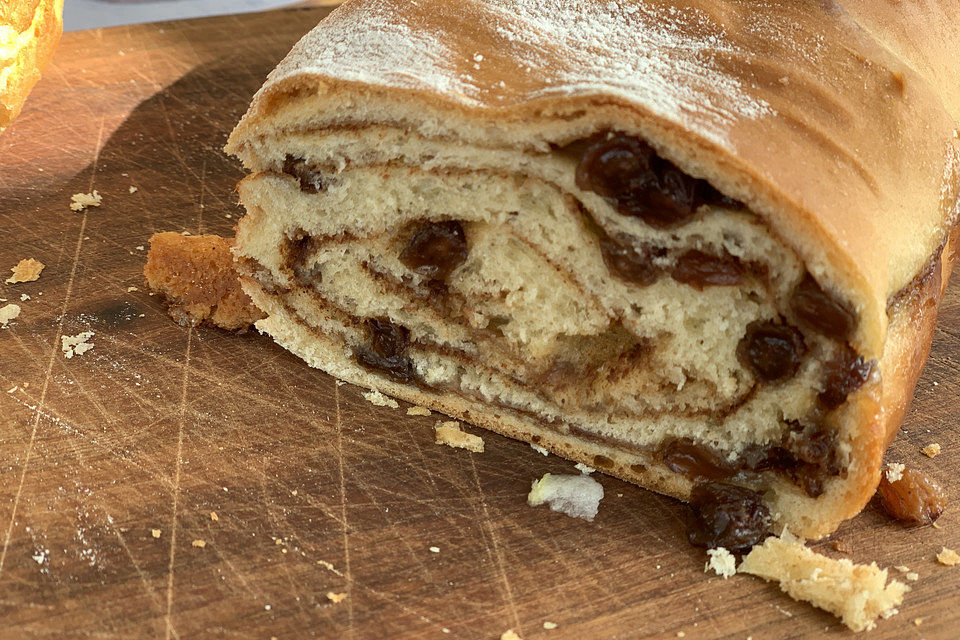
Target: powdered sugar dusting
(662, 58)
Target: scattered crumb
(76, 345)
(584, 469)
(374, 397)
(948, 557)
(917, 621)
(575, 496)
(902, 568)
(80, 201)
(449, 433)
(539, 449)
(132, 189)
(510, 634)
(27, 270)
(329, 567)
(132, 289)
(8, 313)
(549, 625)
(418, 411)
(155, 533)
(912, 576)
(214, 516)
(199, 543)
(931, 451)
(722, 562)
(681, 634)
(336, 597)
(434, 549)
(855, 593)
(894, 471)
(24, 297)
(841, 545)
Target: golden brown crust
(195, 274)
(29, 33)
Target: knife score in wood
(699, 248)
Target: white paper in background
(89, 14)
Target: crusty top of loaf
(827, 121)
(29, 32)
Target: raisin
(385, 348)
(727, 516)
(310, 181)
(435, 249)
(843, 375)
(695, 462)
(628, 263)
(642, 184)
(820, 311)
(699, 270)
(770, 350)
(915, 497)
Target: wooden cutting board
(115, 462)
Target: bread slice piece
(855, 593)
(29, 33)
(649, 239)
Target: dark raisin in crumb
(310, 181)
(695, 462)
(385, 348)
(699, 270)
(627, 262)
(843, 375)
(915, 497)
(642, 184)
(822, 312)
(727, 516)
(435, 249)
(772, 351)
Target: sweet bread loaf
(698, 247)
(29, 32)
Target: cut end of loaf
(584, 294)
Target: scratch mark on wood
(176, 487)
(54, 350)
(495, 544)
(343, 512)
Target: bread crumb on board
(539, 449)
(549, 625)
(932, 450)
(155, 533)
(374, 397)
(948, 557)
(80, 201)
(855, 593)
(894, 471)
(76, 345)
(8, 312)
(27, 270)
(336, 597)
(418, 411)
(722, 562)
(510, 634)
(841, 546)
(214, 516)
(449, 433)
(577, 496)
(199, 543)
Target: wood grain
(315, 490)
